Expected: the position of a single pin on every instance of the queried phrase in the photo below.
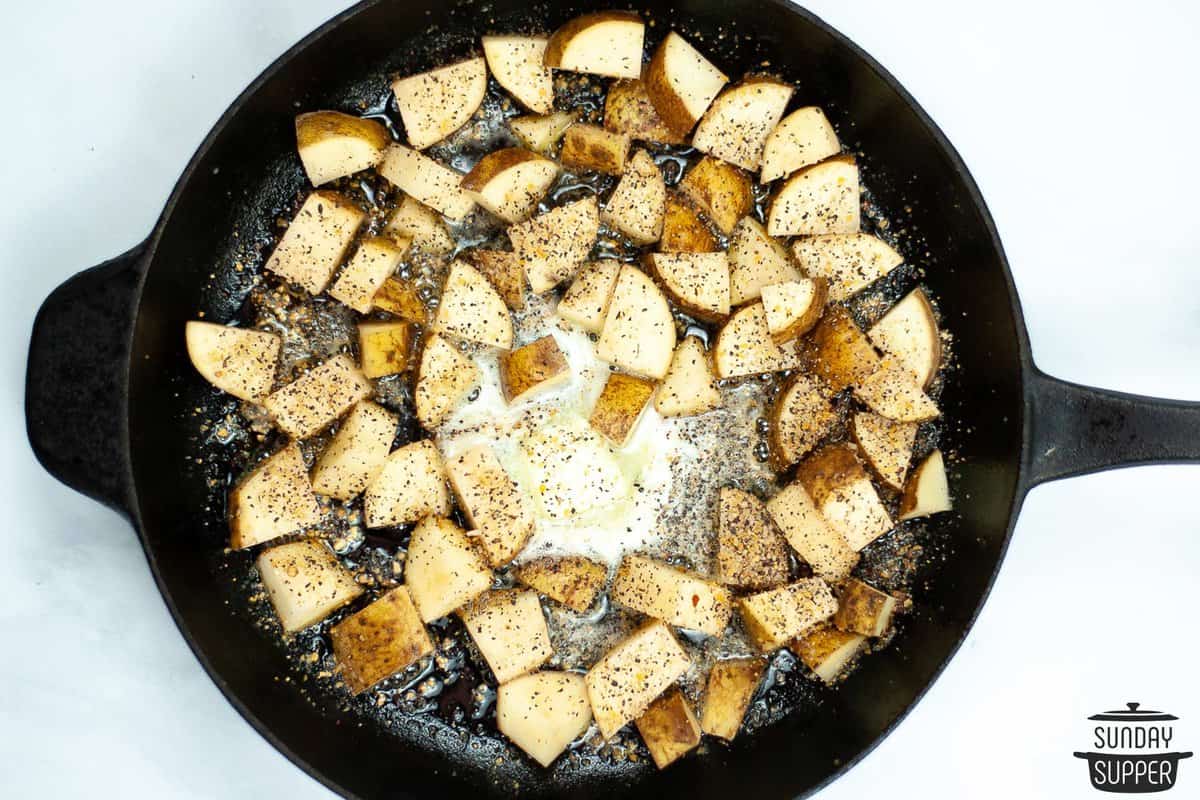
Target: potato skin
(731, 686)
(683, 230)
(863, 609)
(503, 269)
(828, 470)
(592, 148)
(628, 110)
(562, 37)
(526, 368)
(379, 641)
(669, 728)
(721, 190)
(839, 352)
(573, 581)
(316, 126)
(620, 405)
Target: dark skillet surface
(249, 173)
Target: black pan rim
(937, 136)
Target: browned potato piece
(628, 110)
(863, 609)
(801, 416)
(928, 490)
(736, 125)
(827, 651)
(372, 264)
(532, 369)
(671, 594)
(745, 347)
(504, 271)
(411, 485)
(495, 507)
(510, 182)
(332, 144)
(683, 230)
(592, 148)
(540, 133)
(793, 308)
(315, 241)
(620, 406)
(841, 353)
(553, 246)
(571, 580)
(273, 500)
(842, 491)
(731, 686)
(398, 296)
(681, 83)
(751, 553)
(720, 190)
(669, 728)
(601, 43)
(887, 446)
(825, 549)
(623, 683)
(697, 282)
(777, 615)
(317, 398)
(508, 627)
(384, 347)
(379, 641)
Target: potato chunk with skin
(426, 180)
(842, 491)
(315, 242)
(333, 145)
(436, 103)
(689, 386)
(623, 683)
(516, 64)
(828, 652)
(585, 302)
(841, 353)
(504, 271)
(801, 416)
(384, 638)
(928, 490)
(540, 133)
(305, 583)
(736, 125)
(444, 378)
(669, 728)
(722, 191)
(275, 499)
(620, 406)
(731, 686)
(444, 570)
(495, 508)
(909, 332)
(552, 246)
(422, 226)
(533, 369)
(411, 485)
(605, 43)
(384, 347)
(823, 198)
(825, 549)
(372, 263)
(863, 609)
(639, 330)
(697, 282)
(777, 615)
(629, 110)
(590, 148)
(802, 138)
(683, 231)
(317, 398)
(751, 552)
(756, 260)
(573, 581)
(356, 453)
(639, 203)
(887, 446)
(542, 713)
(239, 361)
(744, 346)
(472, 309)
(510, 182)
(508, 627)
(849, 261)
(398, 296)
(682, 83)
(668, 593)
(793, 308)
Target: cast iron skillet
(109, 392)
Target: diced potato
(411, 485)
(313, 401)
(585, 302)
(398, 296)
(305, 583)
(887, 446)
(426, 181)
(639, 330)
(673, 595)
(756, 260)
(722, 191)
(909, 333)
(541, 133)
(801, 139)
(731, 686)
(825, 549)
(333, 145)
(801, 416)
(849, 261)
(435, 104)
(275, 499)
(863, 609)
(605, 43)
(793, 308)
(516, 64)
(504, 271)
(421, 225)
(620, 406)
(372, 263)
(628, 110)
(689, 386)
(384, 347)
(777, 615)
(495, 507)
(751, 552)
(444, 379)
(552, 246)
(239, 361)
(683, 230)
(697, 282)
(590, 148)
(624, 683)
(744, 346)
(841, 353)
(736, 125)
(383, 639)
(928, 490)
(444, 570)
(828, 652)
(356, 453)
(639, 203)
(842, 491)
(533, 369)
(823, 198)
(315, 242)
(892, 391)
(472, 309)
(669, 728)
(682, 83)
(573, 581)
(544, 712)
(510, 182)
(508, 627)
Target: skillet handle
(1077, 429)
(76, 380)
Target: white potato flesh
(372, 263)
(736, 125)
(443, 570)
(682, 83)
(605, 43)
(239, 361)
(444, 378)
(333, 145)
(928, 490)
(689, 387)
(776, 616)
(314, 400)
(849, 261)
(305, 583)
(356, 453)
(509, 628)
(638, 206)
(673, 595)
(697, 282)
(411, 485)
(639, 330)
(496, 509)
(756, 260)
(820, 199)
(472, 309)
(421, 226)
(802, 138)
(541, 132)
(893, 392)
(544, 712)
(792, 308)
(516, 62)
(623, 683)
(275, 499)
(909, 332)
(825, 549)
(510, 182)
(315, 242)
(553, 246)
(744, 346)
(435, 104)
(585, 302)
(426, 180)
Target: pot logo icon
(1133, 751)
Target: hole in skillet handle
(76, 379)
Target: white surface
(1078, 120)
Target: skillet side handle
(1078, 429)
(76, 379)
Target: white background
(1079, 121)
